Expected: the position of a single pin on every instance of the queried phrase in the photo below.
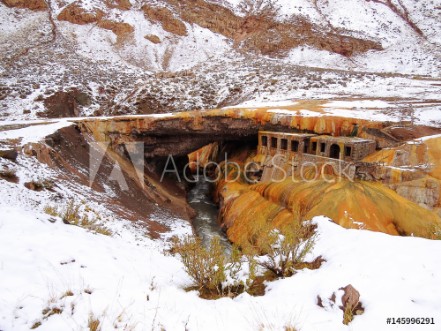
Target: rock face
(166, 18)
(65, 104)
(324, 51)
(76, 14)
(413, 170)
(257, 32)
(175, 136)
(182, 133)
(118, 4)
(246, 209)
(29, 4)
(68, 152)
(153, 38)
(122, 30)
(262, 33)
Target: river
(205, 223)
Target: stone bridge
(170, 135)
(179, 134)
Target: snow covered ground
(415, 111)
(127, 282)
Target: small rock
(10, 154)
(351, 298)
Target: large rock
(76, 14)
(65, 104)
(10, 154)
(29, 4)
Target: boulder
(10, 154)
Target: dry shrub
(204, 265)
(78, 214)
(214, 272)
(94, 323)
(435, 232)
(39, 185)
(9, 174)
(285, 248)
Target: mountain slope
(203, 54)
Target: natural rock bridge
(182, 133)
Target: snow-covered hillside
(207, 54)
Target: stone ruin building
(301, 148)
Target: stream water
(205, 223)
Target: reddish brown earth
(65, 104)
(29, 4)
(75, 14)
(263, 34)
(119, 4)
(166, 18)
(254, 33)
(68, 151)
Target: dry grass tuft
(9, 174)
(285, 249)
(78, 214)
(94, 323)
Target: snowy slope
(409, 52)
(126, 282)
(205, 69)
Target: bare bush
(214, 272)
(285, 249)
(204, 265)
(78, 214)
(8, 173)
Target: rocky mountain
(71, 58)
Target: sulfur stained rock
(366, 205)
(425, 191)
(419, 178)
